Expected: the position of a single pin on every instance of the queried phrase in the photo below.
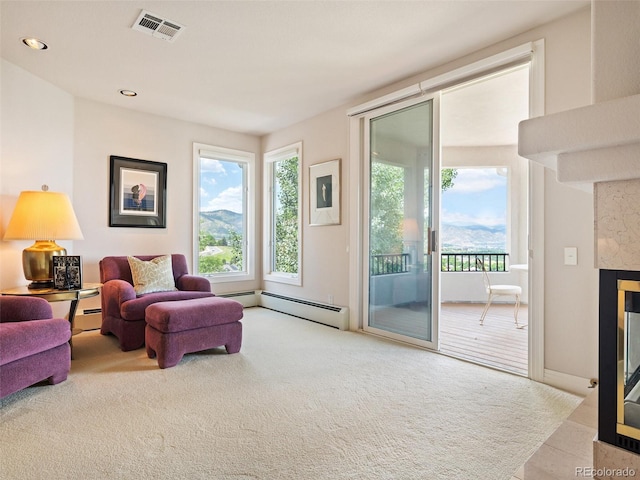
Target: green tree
(211, 264)
(205, 239)
(448, 176)
(387, 208)
(236, 249)
(286, 215)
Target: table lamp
(44, 217)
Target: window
(475, 217)
(283, 192)
(224, 218)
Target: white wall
(570, 292)
(50, 137)
(324, 255)
(102, 130)
(36, 148)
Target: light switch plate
(570, 255)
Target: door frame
(530, 51)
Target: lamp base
(40, 285)
(37, 262)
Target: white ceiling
(254, 66)
(486, 112)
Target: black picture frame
(67, 272)
(137, 193)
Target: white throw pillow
(155, 275)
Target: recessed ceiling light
(128, 93)
(34, 43)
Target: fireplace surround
(597, 148)
(619, 365)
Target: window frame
(270, 158)
(201, 150)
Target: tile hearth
(568, 452)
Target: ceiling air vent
(156, 26)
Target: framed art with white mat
(324, 193)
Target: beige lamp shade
(44, 217)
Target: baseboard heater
(331, 315)
(88, 319)
(247, 299)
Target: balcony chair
(496, 291)
(123, 305)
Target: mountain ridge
(456, 238)
(473, 238)
(220, 223)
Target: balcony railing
(450, 262)
(466, 262)
(389, 263)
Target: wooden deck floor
(497, 343)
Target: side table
(88, 290)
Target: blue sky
(478, 197)
(220, 186)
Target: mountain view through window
(474, 212)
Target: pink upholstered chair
(123, 311)
(34, 346)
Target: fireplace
(597, 147)
(619, 364)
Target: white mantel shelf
(587, 145)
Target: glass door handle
(432, 241)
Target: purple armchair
(34, 346)
(123, 310)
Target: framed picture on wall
(324, 193)
(137, 193)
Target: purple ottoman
(186, 326)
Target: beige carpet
(300, 401)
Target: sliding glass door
(401, 270)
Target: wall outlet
(330, 299)
(570, 255)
